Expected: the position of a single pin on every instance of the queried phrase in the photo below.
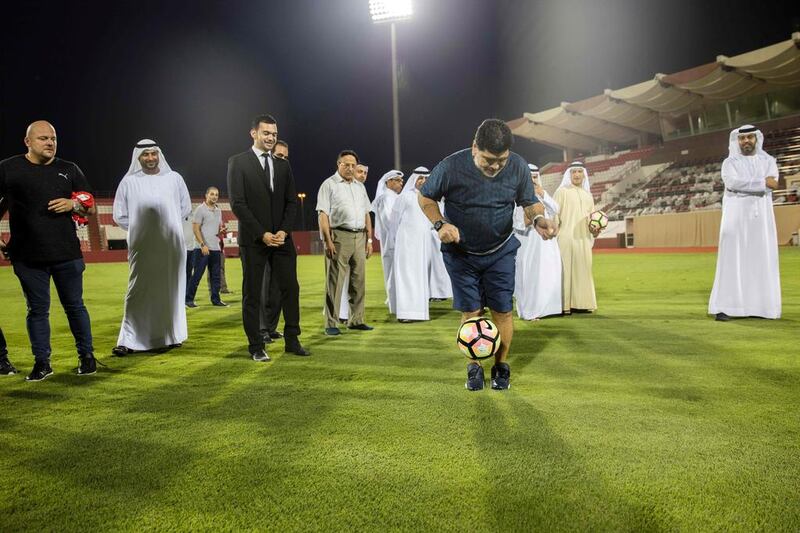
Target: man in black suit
(263, 198)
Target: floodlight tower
(392, 11)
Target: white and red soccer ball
(478, 338)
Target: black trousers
(271, 307)
(260, 266)
(3, 346)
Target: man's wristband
(369, 241)
(535, 218)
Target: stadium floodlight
(302, 197)
(390, 10)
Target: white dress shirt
(261, 159)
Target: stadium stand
(605, 171)
(690, 185)
(679, 188)
(676, 126)
(784, 145)
(113, 237)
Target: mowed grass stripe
(646, 415)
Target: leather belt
(348, 230)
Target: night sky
(191, 75)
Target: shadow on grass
(538, 482)
(159, 434)
(34, 394)
(107, 475)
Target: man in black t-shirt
(38, 189)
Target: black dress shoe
(361, 327)
(275, 335)
(722, 317)
(296, 348)
(121, 351)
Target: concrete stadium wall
(701, 228)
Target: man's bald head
(40, 125)
(40, 138)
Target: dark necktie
(267, 173)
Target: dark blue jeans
(68, 279)
(214, 261)
(190, 255)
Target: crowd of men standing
(479, 228)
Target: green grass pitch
(647, 415)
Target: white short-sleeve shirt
(345, 202)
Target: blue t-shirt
(482, 208)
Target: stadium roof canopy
(624, 116)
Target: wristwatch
(438, 225)
(369, 241)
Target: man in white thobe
(438, 278)
(538, 275)
(747, 281)
(414, 252)
(575, 239)
(151, 202)
(389, 187)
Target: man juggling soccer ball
(482, 185)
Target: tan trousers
(350, 252)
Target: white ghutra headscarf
(382, 188)
(749, 169)
(566, 181)
(733, 141)
(411, 184)
(141, 146)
